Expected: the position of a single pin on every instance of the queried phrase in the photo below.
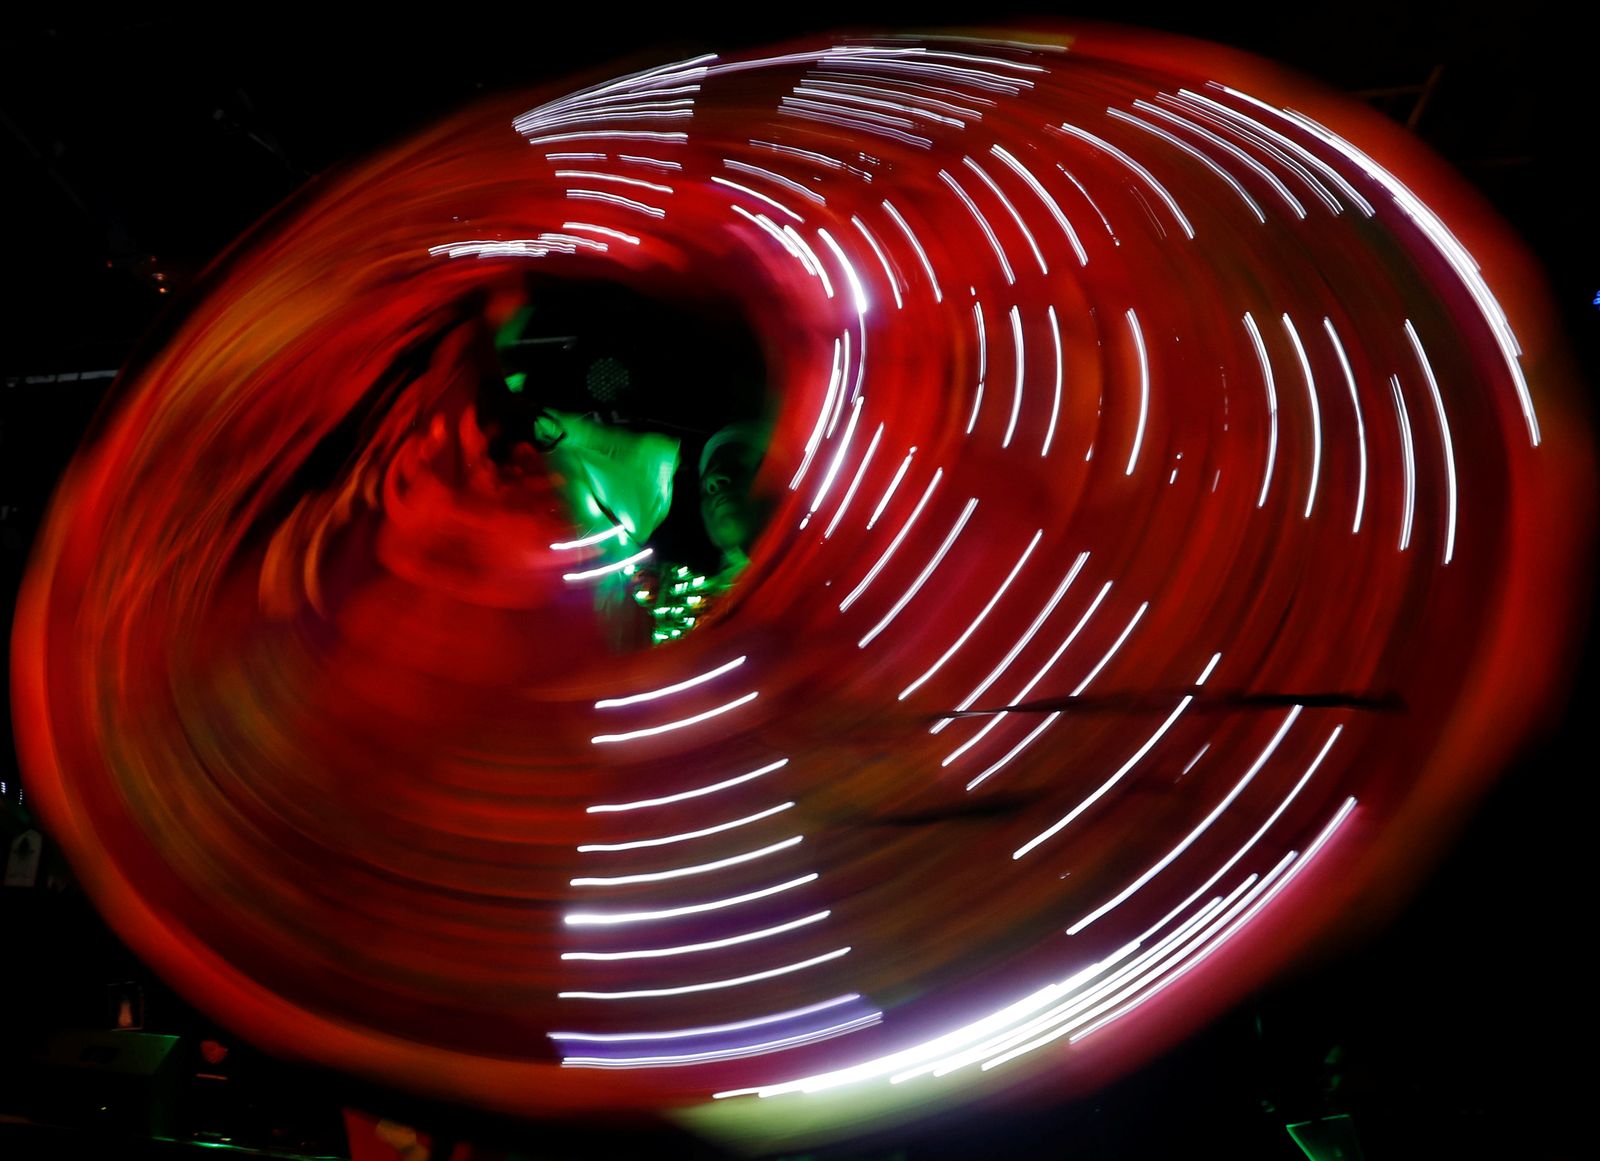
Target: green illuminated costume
(611, 475)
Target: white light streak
(1049, 721)
(1115, 645)
(1408, 456)
(1188, 840)
(1021, 642)
(597, 175)
(838, 456)
(646, 80)
(1148, 178)
(811, 255)
(983, 366)
(771, 228)
(844, 372)
(647, 111)
(922, 255)
(1071, 1016)
(835, 91)
(616, 530)
(569, 240)
(1144, 388)
(758, 195)
(1055, 401)
(737, 1053)
(1453, 252)
(706, 1030)
(855, 482)
(890, 490)
(1039, 675)
(863, 122)
(904, 87)
(1444, 436)
(1080, 994)
(839, 105)
(983, 223)
(922, 577)
(808, 154)
(654, 162)
(1184, 147)
(883, 260)
(613, 918)
(1027, 234)
(983, 342)
(667, 840)
(696, 719)
(500, 248)
(932, 1052)
(1072, 1002)
(1016, 394)
(604, 231)
(642, 803)
(1099, 792)
(606, 569)
(1292, 863)
(1093, 205)
(916, 59)
(777, 179)
(919, 106)
(1285, 115)
(1252, 840)
(1269, 140)
(1043, 195)
(594, 195)
(1272, 406)
(1237, 154)
(976, 77)
(1361, 426)
(1316, 412)
(855, 594)
(710, 985)
(835, 383)
(668, 690)
(976, 621)
(610, 134)
(615, 107)
(856, 289)
(690, 948)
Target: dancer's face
(728, 509)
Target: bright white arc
(612, 918)
(709, 985)
(709, 945)
(1144, 389)
(1361, 423)
(667, 690)
(699, 791)
(685, 836)
(1272, 406)
(682, 872)
(682, 723)
(1444, 437)
(708, 1029)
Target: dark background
(133, 150)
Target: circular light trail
(1178, 526)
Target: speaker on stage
(125, 1082)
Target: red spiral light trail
(1177, 521)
